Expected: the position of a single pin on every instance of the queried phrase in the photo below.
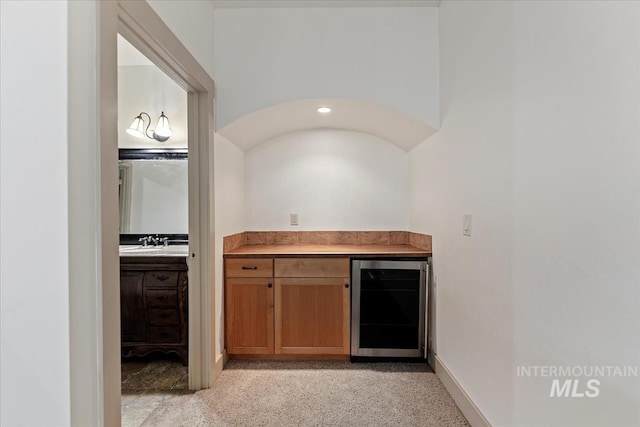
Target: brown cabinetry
(153, 305)
(249, 306)
(132, 326)
(250, 316)
(287, 306)
(312, 306)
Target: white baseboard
(462, 399)
(218, 366)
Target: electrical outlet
(466, 225)
(294, 219)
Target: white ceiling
(324, 3)
(260, 126)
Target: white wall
(146, 88)
(229, 182)
(34, 255)
(384, 55)
(191, 21)
(334, 180)
(576, 260)
(539, 141)
(466, 169)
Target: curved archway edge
(391, 125)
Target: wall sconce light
(161, 133)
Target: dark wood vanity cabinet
(153, 305)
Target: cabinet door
(132, 313)
(312, 316)
(249, 315)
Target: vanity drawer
(161, 278)
(164, 334)
(163, 316)
(161, 298)
(249, 267)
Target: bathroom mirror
(153, 192)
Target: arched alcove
(391, 125)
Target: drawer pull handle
(270, 285)
(346, 285)
(164, 316)
(253, 267)
(162, 298)
(162, 277)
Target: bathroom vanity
(153, 301)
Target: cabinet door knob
(270, 285)
(346, 285)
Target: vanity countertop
(153, 251)
(327, 250)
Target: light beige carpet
(315, 394)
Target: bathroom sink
(139, 250)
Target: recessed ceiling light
(323, 110)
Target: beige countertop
(327, 250)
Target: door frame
(143, 28)
(94, 283)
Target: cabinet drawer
(161, 298)
(249, 267)
(312, 267)
(164, 334)
(163, 316)
(161, 278)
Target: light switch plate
(294, 219)
(466, 225)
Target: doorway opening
(153, 232)
(138, 24)
(189, 281)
